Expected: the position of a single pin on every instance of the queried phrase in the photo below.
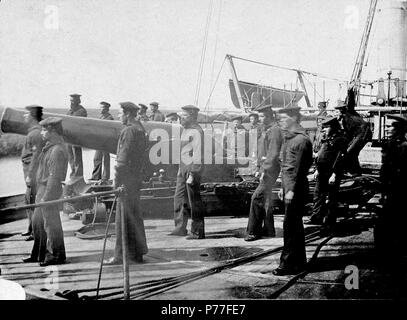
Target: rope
(216, 41)
(213, 87)
(289, 69)
(203, 53)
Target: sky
(150, 50)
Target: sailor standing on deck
(130, 158)
(101, 160)
(390, 234)
(329, 163)
(75, 152)
(296, 159)
(357, 132)
(29, 157)
(187, 198)
(156, 115)
(269, 143)
(142, 115)
(49, 247)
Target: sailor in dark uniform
(390, 235)
(329, 163)
(49, 247)
(29, 157)
(269, 143)
(357, 132)
(101, 160)
(296, 159)
(187, 199)
(130, 159)
(142, 115)
(156, 114)
(75, 152)
(254, 121)
(172, 117)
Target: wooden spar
(304, 88)
(125, 252)
(235, 80)
(72, 199)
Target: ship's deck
(171, 256)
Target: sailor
(101, 160)
(49, 247)
(296, 159)
(357, 132)
(75, 152)
(261, 220)
(187, 199)
(329, 163)
(142, 115)
(29, 157)
(390, 232)
(316, 145)
(172, 117)
(241, 137)
(130, 159)
(254, 121)
(322, 109)
(156, 115)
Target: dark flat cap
(34, 107)
(104, 103)
(397, 118)
(128, 105)
(253, 115)
(142, 106)
(322, 104)
(51, 122)
(75, 95)
(238, 117)
(190, 108)
(172, 114)
(265, 108)
(289, 110)
(341, 104)
(331, 121)
(154, 103)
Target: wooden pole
(125, 252)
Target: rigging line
(314, 87)
(216, 40)
(203, 52)
(213, 87)
(289, 69)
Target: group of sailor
(284, 148)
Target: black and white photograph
(203, 154)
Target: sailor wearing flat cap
(357, 132)
(32, 147)
(329, 164)
(75, 152)
(322, 109)
(254, 121)
(172, 117)
(261, 220)
(156, 115)
(390, 234)
(142, 115)
(296, 159)
(130, 160)
(187, 198)
(101, 159)
(49, 247)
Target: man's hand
(28, 182)
(256, 174)
(289, 197)
(190, 179)
(332, 179)
(280, 194)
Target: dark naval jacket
(296, 159)
(269, 145)
(195, 134)
(330, 156)
(53, 164)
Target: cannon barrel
(103, 135)
(85, 132)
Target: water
(12, 178)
